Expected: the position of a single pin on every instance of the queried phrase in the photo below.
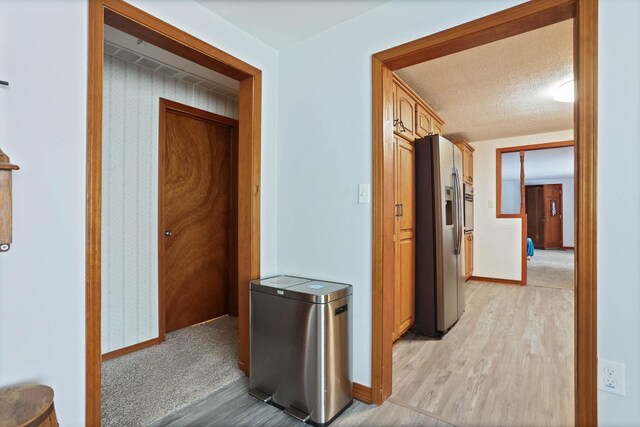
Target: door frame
(138, 23)
(516, 20)
(166, 106)
(522, 149)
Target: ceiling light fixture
(564, 92)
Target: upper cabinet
(436, 127)
(404, 114)
(412, 117)
(423, 122)
(467, 161)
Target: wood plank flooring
(508, 362)
(232, 406)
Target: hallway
(508, 362)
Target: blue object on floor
(529, 247)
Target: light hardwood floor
(508, 362)
(232, 406)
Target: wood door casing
(503, 24)
(132, 20)
(552, 216)
(405, 238)
(196, 193)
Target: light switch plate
(364, 193)
(490, 203)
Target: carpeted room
(169, 331)
(144, 386)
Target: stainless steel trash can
(300, 346)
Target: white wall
(130, 194)
(324, 147)
(619, 204)
(567, 205)
(324, 118)
(497, 241)
(42, 276)
(43, 129)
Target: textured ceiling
(539, 164)
(282, 23)
(502, 89)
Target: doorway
(539, 164)
(513, 21)
(133, 21)
(197, 215)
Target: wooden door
(534, 207)
(196, 235)
(405, 238)
(553, 216)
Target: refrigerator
(439, 274)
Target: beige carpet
(551, 268)
(192, 363)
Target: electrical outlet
(611, 376)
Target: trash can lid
(279, 282)
(302, 289)
(319, 292)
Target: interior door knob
(168, 233)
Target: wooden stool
(27, 405)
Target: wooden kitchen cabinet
(404, 290)
(410, 110)
(423, 122)
(419, 121)
(468, 255)
(404, 114)
(436, 127)
(467, 161)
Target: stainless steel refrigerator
(439, 278)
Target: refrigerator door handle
(458, 209)
(461, 214)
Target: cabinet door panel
(406, 107)
(436, 128)
(406, 188)
(405, 302)
(468, 255)
(405, 223)
(423, 122)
